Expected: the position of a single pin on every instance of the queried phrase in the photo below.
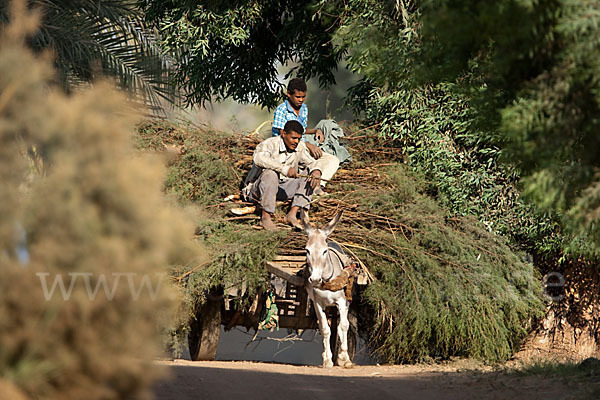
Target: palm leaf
(108, 37)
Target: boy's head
(296, 92)
(292, 133)
(296, 84)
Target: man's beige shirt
(272, 154)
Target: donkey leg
(343, 359)
(326, 333)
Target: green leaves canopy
(539, 65)
(463, 84)
(232, 48)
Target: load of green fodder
(78, 205)
(443, 287)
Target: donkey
(324, 262)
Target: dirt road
(252, 380)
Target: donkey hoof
(343, 360)
(327, 364)
(346, 363)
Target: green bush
(76, 198)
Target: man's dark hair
(296, 84)
(293, 126)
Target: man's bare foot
(293, 221)
(267, 222)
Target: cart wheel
(352, 335)
(203, 338)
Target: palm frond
(108, 37)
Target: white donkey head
(316, 248)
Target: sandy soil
(253, 380)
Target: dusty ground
(253, 380)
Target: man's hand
(315, 179)
(314, 151)
(292, 173)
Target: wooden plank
(285, 273)
(288, 265)
(295, 252)
(298, 322)
(302, 297)
(287, 301)
(290, 257)
(288, 272)
(285, 266)
(293, 263)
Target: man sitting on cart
(274, 175)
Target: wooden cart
(294, 310)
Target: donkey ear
(331, 226)
(305, 221)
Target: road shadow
(250, 381)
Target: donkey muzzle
(315, 282)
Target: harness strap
(344, 280)
(332, 270)
(339, 257)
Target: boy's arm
(319, 135)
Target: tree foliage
(493, 100)
(203, 175)
(447, 287)
(232, 48)
(92, 37)
(538, 63)
(436, 122)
